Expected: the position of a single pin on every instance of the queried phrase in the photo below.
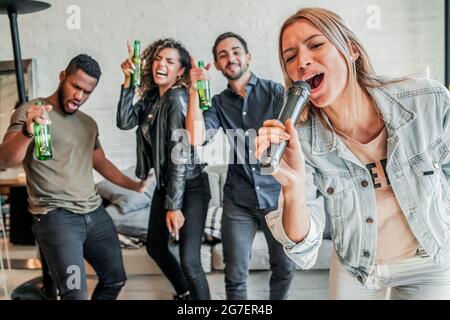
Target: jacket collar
(396, 116)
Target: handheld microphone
(297, 97)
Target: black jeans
(239, 226)
(66, 238)
(190, 275)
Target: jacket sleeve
(304, 253)
(445, 101)
(127, 113)
(212, 120)
(179, 150)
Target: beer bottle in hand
(204, 90)
(136, 75)
(42, 140)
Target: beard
(61, 101)
(238, 75)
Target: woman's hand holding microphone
(290, 173)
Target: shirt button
(330, 190)
(253, 169)
(364, 183)
(246, 133)
(369, 220)
(390, 140)
(435, 165)
(366, 254)
(257, 188)
(244, 113)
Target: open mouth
(315, 81)
(161, 73)
(73, 105)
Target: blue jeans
(65, 239)
(239, 226)
(190, 275)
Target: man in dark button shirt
(241, 110)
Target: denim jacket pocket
(439, 152)
(427, 171)
(431, 160)
(431, 180)
(337, 190)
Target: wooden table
(12, 178)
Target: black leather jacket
(156, 119)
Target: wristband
(26, 133)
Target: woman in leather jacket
(180, 201)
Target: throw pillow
(127, 200)
(213, 224)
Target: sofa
(137, 261)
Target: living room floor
(307, 285)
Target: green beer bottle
(204, 90)
(136, 75)
(42, 140)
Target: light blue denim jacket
(417, 117)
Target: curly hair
(149, 55)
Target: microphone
(297, 97)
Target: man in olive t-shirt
(70, 223)
(66, 180)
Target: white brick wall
(410, 38)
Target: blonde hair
(336, 30)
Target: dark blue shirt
(245, 184)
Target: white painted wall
(407, 39)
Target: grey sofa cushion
(260, 255)
(133, 223)
(127, 200)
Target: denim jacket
(416, 113)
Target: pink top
(395, 240)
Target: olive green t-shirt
(65, 181)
